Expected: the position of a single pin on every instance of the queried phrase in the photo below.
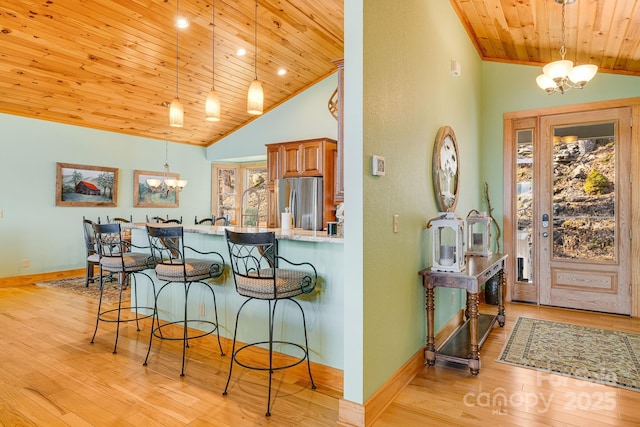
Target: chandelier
(167, 184)
(561, 76)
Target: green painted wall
(51, 237)
(408, 93)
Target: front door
(583, 211)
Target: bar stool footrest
(157, 331)
(138, 316)
(274, 368)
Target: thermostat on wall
(377, 165)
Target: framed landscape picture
(145, 196)
(81, 185)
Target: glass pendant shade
(176, 113)
(212, 106)
(255, 98)
(557, 69)
(545, 83)
(582, 74)
(153, 182)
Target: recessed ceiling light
(182, 22)
(241, 52)
(282, 72)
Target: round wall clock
(445, 169)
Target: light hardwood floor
(50, 375)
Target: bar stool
(116, 257)
(173, 266)
(254, 262)
(93, 258)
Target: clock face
(445, 169)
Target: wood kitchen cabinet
(305, 158)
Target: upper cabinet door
(290, 160)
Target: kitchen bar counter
(293, 234)
(324, 308)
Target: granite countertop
(294, 234)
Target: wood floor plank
(51, 375)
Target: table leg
(430, 351)
(502, 295)
(474, 355)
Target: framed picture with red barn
(81, 185)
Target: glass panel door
(584, 211)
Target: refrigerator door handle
(292, 205)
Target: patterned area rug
(77, 286)
(597, 355)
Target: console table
(464, 344)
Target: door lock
(545, 221)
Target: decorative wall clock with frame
(445, 169)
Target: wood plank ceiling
(601, 32)
(111, 64)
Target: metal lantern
(447, 237)
(478, 233)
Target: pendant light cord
(255, 43)
(213, 44)
(177, 31)
(563, 49)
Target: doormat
(76, 285)
(591, 354)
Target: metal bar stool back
(220, 220)
(93, 258)
(116, 257)
(176, 263)
(258, 275)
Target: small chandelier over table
(561, 76)
(167, 184)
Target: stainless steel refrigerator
(304, 198)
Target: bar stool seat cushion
(133, 261)
(196, 269)
(288, 283)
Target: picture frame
(377, 165)
(144, 196)
(83, 185)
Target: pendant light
(561, 76)
(166, 184)
(176, 110)
(255, 97)
(212, 104)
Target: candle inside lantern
(446, 254)
(478, 242)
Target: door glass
(254, 198)
(524, 205)
(227, 193)
(584, 197)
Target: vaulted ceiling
(111, 64)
